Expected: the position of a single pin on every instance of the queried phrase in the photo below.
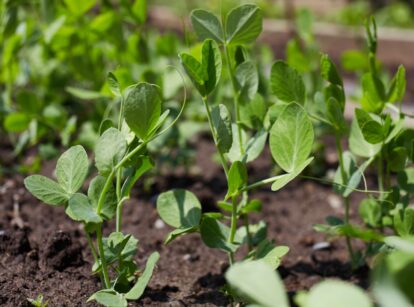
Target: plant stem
(214, 133)
(94, 253)
(346, 199)
(233, 226)
(104, 267)
(236, 98)
(380, 172)
(249, 235)
(119, 215)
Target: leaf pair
(71, 172)
(243, 25)
(205, 75)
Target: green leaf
(139, 9)
(109, 150)
(113, 84)
(253, 114)
(195, 72)
(406, 180)
(109, 298)
(206, 25)
(370, 211)
(16, 122)
(404, 222)
(237, 178)
(287, 83)
(402, 244)
(329, 71)
(337, 293)
(271, 254)
(211, 64)
(142, 109)
(215, 234)
(143, 165)
(179, 232)
(255, 146)
(247, 80)
(80, 209)
(72, 169)
(291, 138)
(179, 208)
(79, 7)
(284, 179)
(138, 289)
(335, 115)
(84, 94)
(398, 84)
(373, 99)
(46, 190)
(221, 119)
(94, 192)
(358, 145)
(259, 283)
(398, 159)
(243, 24)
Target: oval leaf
(179, 208)
(72, 168)
(46, 190)
(287, 84)
(291, 138)
(222, 123)
(80, 209)
(206, 25)
(243, 24)
(142, 109)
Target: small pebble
(321, 246)
(159, 224)
(334, 201)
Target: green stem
(249, 235)
(112, 174)
(104, 267)
(214, 133)
(380, 172)
(233, 226)
(94, 253)
(119, 215)
(236, 98)
(346, 199)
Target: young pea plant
(291, 135)
(120, 159)
(375, 136)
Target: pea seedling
(121, 159)
(290, 130)
(375, 136)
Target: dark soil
(44, 252)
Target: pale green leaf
(72, 169)
(46, 190)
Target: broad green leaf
(253, 114)
(402, 244)
(109, 150)
(335, 115)
(291, 138)
(237, 178)
(72, 169)
(46, 190)
(243, 24)
(398, 84)
(80, 209)
(113, 84)
(287, 83)
(358, 145)
(195, 72)
(373, 132)
(404, 222)
(109, 298)
(79, 7)
(221, 119)
(142, 109)
(272, 255)
(259, 283)
(211, 64)
(329, 71)
(179, 208)
(138, 289)
(337, 293)
(284, 179)
(206, 25)
(215, 235)
(94, 192)
(139, 9)
(16, 122)
(235, 154)
(247, 81)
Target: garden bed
(40, 253)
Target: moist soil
(44, 252)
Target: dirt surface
(43, 252)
